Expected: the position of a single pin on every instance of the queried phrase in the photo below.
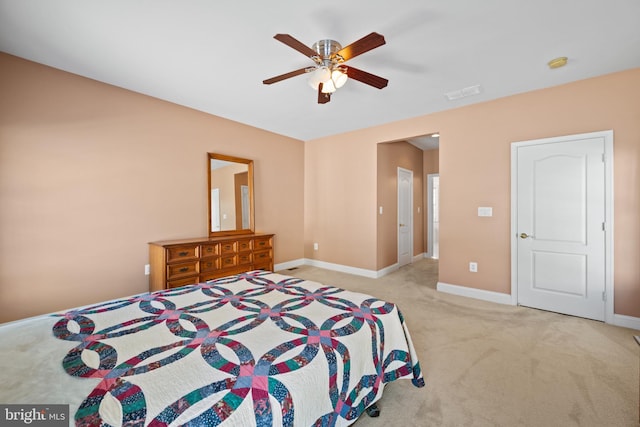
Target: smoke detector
(558, 62)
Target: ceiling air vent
(461, 93)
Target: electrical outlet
(147, 269)
(315, 246)
(473, 267)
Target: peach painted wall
(474, 169)
(390, 157)
(90, 173)
(340, 210)
(431, 161)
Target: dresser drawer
(210, 249)
(262, 243)
(244, 258)
(209, 264)
(230, 247)
(245, 245)
(229, 261)
(182, 253)
(175, 271)
(261, 257)
(182, 282)
(211, 275)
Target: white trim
(419, 257)
(626, 321)
(410, 172)
(474, 293)
(387, 270)
(54, 314)
(372, 274)
(289, 264)
(609, 315)
(430, 177)
(342, 268)
(25, 320)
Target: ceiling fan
(329, 71)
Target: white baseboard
(500, 298)
(342, 268)
(289, 264)
(626, 321)
(372, 274)
(480, 294)
(387, 270)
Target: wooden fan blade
(361, 46)
(285, 76)
(323, 98)
(295, 44)
(367, 78)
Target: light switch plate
(485, 211)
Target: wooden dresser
(187, 261)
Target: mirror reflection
(230, 195)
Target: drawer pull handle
(184, 269)
(209, 264)
(209, 250)
(183, 253)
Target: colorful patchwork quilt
(255, 349)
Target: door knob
(524, 235)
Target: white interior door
(561, 221)
(405, 216)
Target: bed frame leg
(373, 410)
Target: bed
(254, 349)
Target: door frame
(430, 177)
(410, 208)
(608, 172)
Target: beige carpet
(489, 364)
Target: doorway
(562, 224)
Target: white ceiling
(212, 55)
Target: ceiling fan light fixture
(319, 75)
(339, 78)
(331, 79)
(328, 87)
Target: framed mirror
(230, 195)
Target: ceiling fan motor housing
(326, 49)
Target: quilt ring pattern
(245, 375)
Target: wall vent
(462, 93)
